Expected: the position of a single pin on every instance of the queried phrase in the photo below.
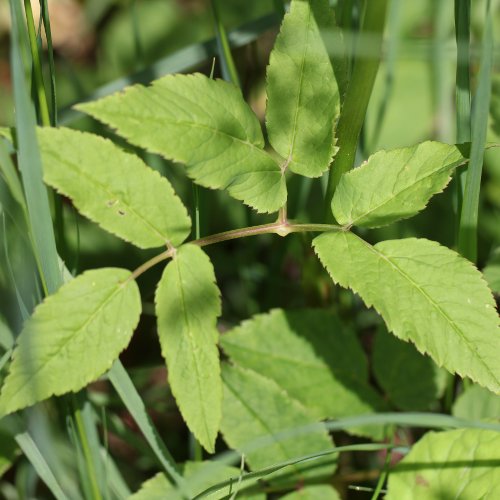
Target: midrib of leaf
(192, 351)
(299, 93)
(419, 180)
(214, 130)
(270, 432)
(103, 187)
(432, 302)
(77, 332)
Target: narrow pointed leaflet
(303, 98)
(427, 294)
(113, 188)
(72, 338)
(187, 306)
(394, 185)
(204, 124)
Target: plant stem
(357, 96)
(281, 227)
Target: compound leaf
(72, 337)
(309, 353)
(113, 188)
(463, 463)
(262, 421)
(394, 185)
(204, 124)
(187, 306)
(303, 98)
(426, 294)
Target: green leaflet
(113, 188)
(394, 185)
(411, 381)
(72, 337)
(462, 464)
(426, 294)
(303, 98)
(199, 477)
(255, 410)
(308, 353)
(477, 403)
(204, 124)
(315, 492)
(187, 306)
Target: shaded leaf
(113, 188)
(303, 98)
(311, 355)
(91, 318)
(187, 306)
(256, 411)
(492, 271)
(411, 381)
(463, 463)
(394, 185)
(477, 403)
(426, 294)
(204, 124)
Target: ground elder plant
(282, 373)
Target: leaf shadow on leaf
(338, 347)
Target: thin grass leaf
(36, 458)
(135, 405)
(229, 71)
(30, 162)
(467, 238)
(52, 71)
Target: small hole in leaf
(121, 212)
(110, 203)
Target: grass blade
(134, 404)
(229, 72)
(357, 96)
(30, 163)
(48, 33)
(467, 237)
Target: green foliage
(199, 476)
(492, 271)
(307, 353)
(477, 403)
(204, 124)
(421, 288)
(92, 317)
(260, 420)
(113, 188)
(283, 371)
(187, 305)
(462, 463)
(411, 381)
(312, 493)
(394, 185)
(302, 91)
